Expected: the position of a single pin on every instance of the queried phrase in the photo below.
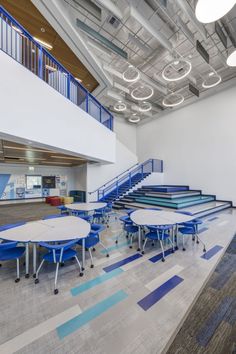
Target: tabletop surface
(86, 206)
(58, 229)
(158, 217)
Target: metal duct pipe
(146, 24)
(110, 6)
(186, 8)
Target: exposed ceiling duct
(186, 8)
(90, 7)
(103, 40)
(161, 38)
(111, 7)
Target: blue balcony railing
(21, 46)
(114, 185)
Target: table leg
(83, 253)
(34, 259)
(139, 238)
(176, 237)
(27, 260)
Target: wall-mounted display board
(49, 182)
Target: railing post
(152, 165)
(68, 86)
(130, 185)
(40, 62)
(117, 189)
(87, 102)
(100, 117)
(142, 171)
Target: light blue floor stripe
(115, 247)
(94, 282)
(88, 315)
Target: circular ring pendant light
(145, 107)
(131, 74)
(176, 70)
(212, 80)
(120, 106)
(173, 100)
(208, 11)
(231, 60)
(142, 92)
(134, 119)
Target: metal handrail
(36, 58)
(151, 165)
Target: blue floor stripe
(152, 298)
(203, 229)
(211, 252)
(122, 262)
(94, 282)
(88, 315)
(213, 322)
(212, 219)
(158, 257)
(115, 247)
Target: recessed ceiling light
(42, 29)
(211, 74)
(231, 60)
(134, 120)
(176, 62)
(66, 157)
(77, 79)
(208, 11)
(44, 44)
(173, 100)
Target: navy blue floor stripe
(152, 298)
(158, 257)
(122, 262)
(208, 330)
(211, 252)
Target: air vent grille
(113, 21)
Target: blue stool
(10, 251)
(159, 233)
(58, 254)
(191, 228)
(130, 229)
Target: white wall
(32, 110)
(197, 144)
(99, 174)
(126, 133)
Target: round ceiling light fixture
(142, 92)
(176, 70)
(134, 119)
(212, 80)
(208, 11)
(131, 74)
(120, 106)
(231, 60)
(145, 107)
(173, 100)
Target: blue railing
(21, 46)
(151, 165)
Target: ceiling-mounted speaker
(194, 90)
(202, 51)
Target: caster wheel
(173, 251)
(36, 281)
(127, 236)
(34, 275)
(81, 274)
(17, 280)
(153, 244)
(94, 249)
(116, 241)
(130, 246)
(143, 252)
(82, 268)
(0, 265)
(184, 249)
(138, 249)
(176, 248)
(204, 250)
(163, 259)
(108, 255)
(56, 291)
(62, 264)
(92, 266)
(108, 226)
(197, 242)
(26, 276)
